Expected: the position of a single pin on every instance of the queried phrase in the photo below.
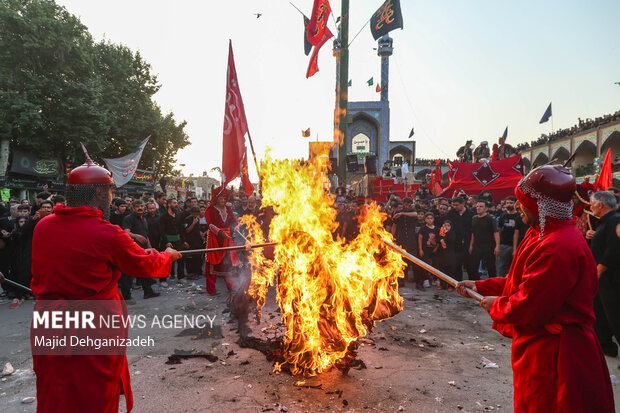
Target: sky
(460, 69)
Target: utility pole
(343, 98)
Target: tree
(59, 88)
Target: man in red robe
(78, 255)
(221, 221)
(545, 304)
(436, 177)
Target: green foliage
(59, 88)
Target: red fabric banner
(313, 66)
(604, 179)
(318, 21)
(234, 153)
(499, 177)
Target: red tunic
(76, 255)
(436, 177)
(545, 306)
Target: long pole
(260, 182)
(343, 99)
(14, 284)
(431, 269)
(235, 248)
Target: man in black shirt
(195, 241)
(173, 233)
(442, 215)
(508, 223)
(120, 212)
(136, 225)
(605, 246)
(160, 200)
(484, 245)
(404, 222)
(461, 219)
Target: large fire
(329, 292)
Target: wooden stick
(234, 248)
(14, 284)
(431, 269)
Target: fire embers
(330, 293)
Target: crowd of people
(154, 222)
(500, 150)
(583, 125)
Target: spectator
(446, 254)
(464, 154)
(428, 238)
(160, 199)
(136, 225)
(442, 214)
(484, 245)
(404, 233)
(482, 152)
(173, 233)
(508, 222)
(605, 246)
(155, 236)
(194, 241)
(461, 219)
(119, 213)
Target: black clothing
(445, 258)
(465, 154)
(507, 225)
(605, 246)
(193, 238)
(430, 237)
(154, 231)
(483, 229)
(439, 220)
(171, 227)
(461, 226)
(406, 236)
(117, 219)
(137, 225)
(488, 260)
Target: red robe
(77, 255)
(545, 306)
(220, 263)
(436, 177)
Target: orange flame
(330, 293)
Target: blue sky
(460, 70)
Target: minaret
(385, 51)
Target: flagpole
(343, 98)
(260, 182)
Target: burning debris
(330, 292)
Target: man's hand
(590, 234)
(176, 255)
(169, 245)
(496, 252)
(185, 245)
(213, 229)
(36, 216)
(140, 238)
(5, 233)
(471, 249)
(421, 254)
(486, 302)
(396, 215)
(462, 285)
(600, 269)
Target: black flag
(505, 135)
(386, 19)
(307, 44)
(546, 115)
(411, 133)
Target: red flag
(318, 21)
(313, 66)
(378, 88)
(234, 154)
(604, 179)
